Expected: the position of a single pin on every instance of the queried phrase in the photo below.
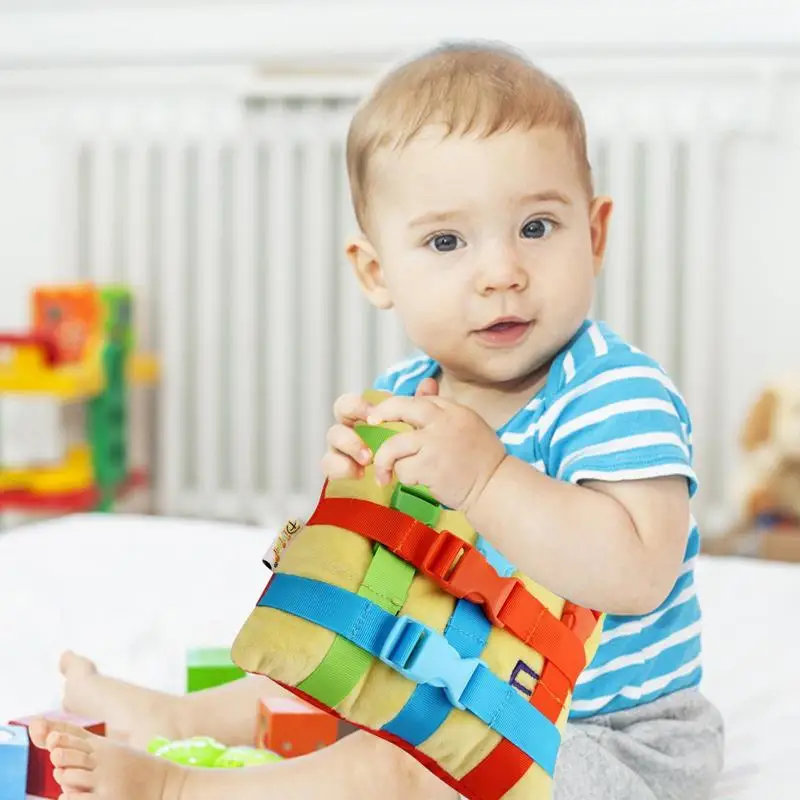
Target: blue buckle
(422, 655)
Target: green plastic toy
(203, 751)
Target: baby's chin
(501, 371)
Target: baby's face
(487, 248)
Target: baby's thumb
(427, 388)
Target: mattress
(136, 592)
(751, 620)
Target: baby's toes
(74, 757)
(64, 740)
(74, 780)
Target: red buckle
(445, 554)
(463, 572)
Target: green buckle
(417, 502)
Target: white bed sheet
(136, 592)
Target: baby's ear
(369, 272)
(759, 423)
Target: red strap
(506, 765)
(463, 572)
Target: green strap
(386, 583)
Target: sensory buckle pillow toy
(391, 612)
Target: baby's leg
(135, 715)
(132, 713)
(94, 768)
(671, 748)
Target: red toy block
(41, 782)
(291, 727)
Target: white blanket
(134, 593)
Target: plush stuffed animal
(390, 611)
(771, 441)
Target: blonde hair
(468, 88)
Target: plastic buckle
(447, 553)
(463, 572)
(422, 655)
(417, 503)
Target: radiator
(232, 236)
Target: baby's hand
(347, 454)
(450, 449)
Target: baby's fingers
(345, 440)
(336, 466)
(350, 409)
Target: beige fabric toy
(770, 440)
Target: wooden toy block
(208, 667)
(41, 782)
(291, 727)
(72, 314)
(14, 748)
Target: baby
(567, 448)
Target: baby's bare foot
(89, 766)
(132, 714)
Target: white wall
(752, 48)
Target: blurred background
(176, 314)
(192, 152)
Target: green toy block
(118, 305)
(208, 667)
(108, 426)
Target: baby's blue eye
(444, 242)
(537, 228)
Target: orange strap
(463, 572)
(500, 771)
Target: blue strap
(422, 655)
(467, 631)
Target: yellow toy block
(27, 370)
(143, 369)
(74, 474)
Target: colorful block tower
(81, 348)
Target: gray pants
(671, 749)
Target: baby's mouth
(505, 331)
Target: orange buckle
(463, 572)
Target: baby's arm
(604, 520)
(613, 546)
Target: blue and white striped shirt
(609, 412)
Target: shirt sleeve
(619, 418)
(403, 378)
(384, 382)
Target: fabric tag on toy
(273, 555)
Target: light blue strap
(422, 655)
(467, 631)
